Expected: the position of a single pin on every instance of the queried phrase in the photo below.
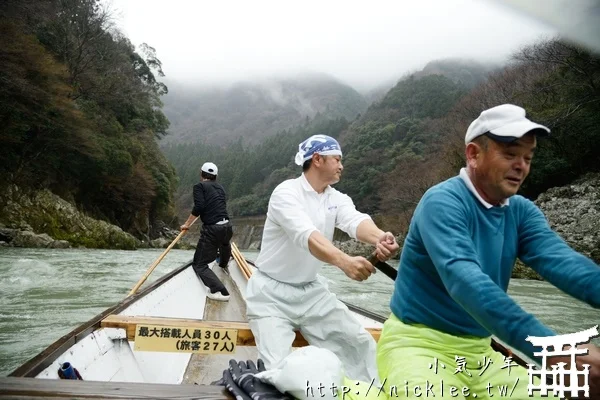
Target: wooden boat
(166, 341)
(155, 343)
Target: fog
(363, 44)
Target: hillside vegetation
(82, 118)
(413, 137)
(81, 113)
(402, 116)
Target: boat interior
(116, 357)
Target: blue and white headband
(322, 144)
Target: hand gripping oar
(384, 267)
(392, 273)
(158, 260)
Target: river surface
(45, 293)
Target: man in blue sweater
(450, 293)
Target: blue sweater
(458, 258)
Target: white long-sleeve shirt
(295, 211)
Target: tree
(81, 112)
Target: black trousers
(213, 239)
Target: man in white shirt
(286, 293)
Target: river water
(45, 293)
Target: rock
(185, 246)
(24, 226)
(47, 213)
(3, 243)
(31, 239)
(354, 248)
(573, 211)
(160, 243)
(169, 233)
(7, 234)
(522, 271)
(60, 244)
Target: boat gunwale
(365, 313)
(46, 357)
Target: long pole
(241, 261)
(243, 265)
(158, 260)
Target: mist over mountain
(403, 115)
(256, 109)
(466, 72)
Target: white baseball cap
(210, 168)
(504, 123)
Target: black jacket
(210, 202)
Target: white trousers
(276, 310)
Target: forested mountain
(468, 73)
(255, 110)
(396, 130)
(81, 112)
(82, 116)
(402, 116)
(414, 136)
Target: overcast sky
(361, 43)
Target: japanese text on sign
(185, 340)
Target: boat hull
(101, 351)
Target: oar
(239, 260)
(392, 273)
(384, 267)
(158, 260)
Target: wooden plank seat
(31, 388)
(244, 333)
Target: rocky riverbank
(356, 248)
(43, 219)
(573, 211)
